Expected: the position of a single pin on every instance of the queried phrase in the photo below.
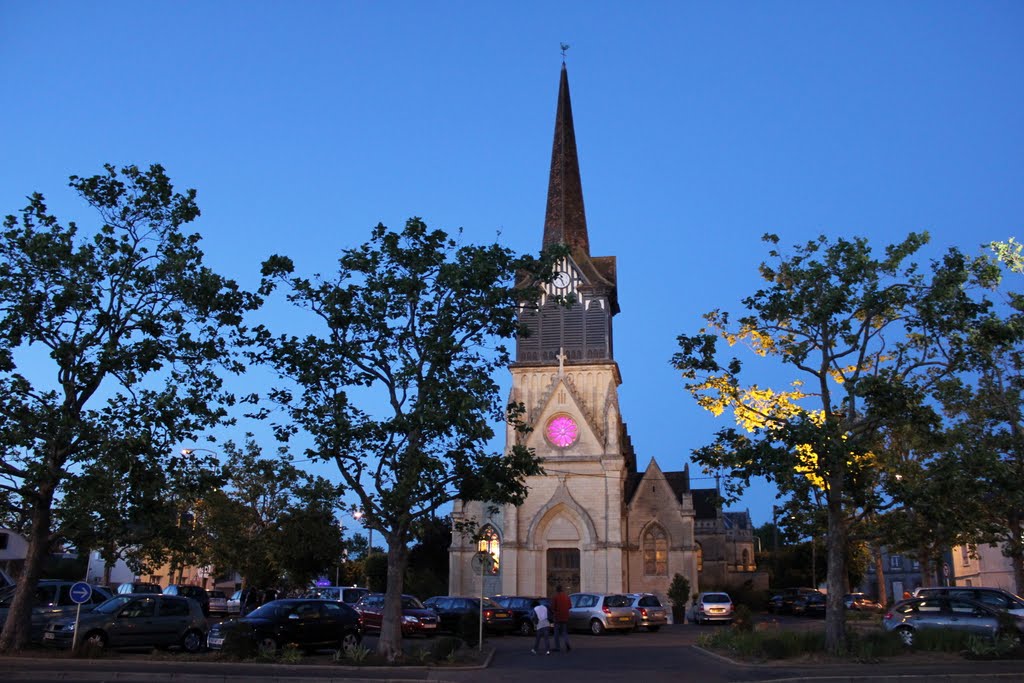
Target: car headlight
(409, 619)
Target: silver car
(648, 612)
(996, 598)
(911, 617)
(51, 600)
(708, 607)
(600, 612)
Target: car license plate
(625, 619)
(48, 635)
(501, 615)
(429, 625)
(215, 642)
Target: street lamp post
(358, 515)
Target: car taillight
(488, 613)
(606, 610)
(888, 615)
(643, 611)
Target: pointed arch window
(700, 557)
(490, 543)
(655, 544)
(746, 557)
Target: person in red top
(560, 616)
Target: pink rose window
(562, 431)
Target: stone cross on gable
(561, 360)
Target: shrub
(444, 648)
(468, 628)
(871, 645)
(679, 593)
(743, 619)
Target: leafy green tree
(124, 334)
(272, 522)
(397, 385)
(866, 337)
(428, 557)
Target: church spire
(565, 221)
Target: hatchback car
(218, 602)
(710, 607)
(782, 601)
(600, 612)
(648, 612)
(134, 621)
(911, 617)
(452, 610)
(809, 605)
(860, 602)
(309, 623)
(416, 619)
(139, 587)
(349, 595)
(195, 592)
(51, 600)
(521, 607)
(993, 597)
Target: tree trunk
(835, 614)
(389, 645)
(883, 592)
(15, 635)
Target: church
(592, 521)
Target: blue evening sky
(700, 126)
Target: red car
(416, 619)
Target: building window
(965, 556)
(746, 557)
(490, 544)
(896, 562)
(655, 552)
(3, 541)
(915, 565)
(700, 558)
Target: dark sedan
(310, 624)
(453, 610)
(522, 610)
(416, 619)
(809, 605)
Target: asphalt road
(668, 655)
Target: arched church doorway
(563, 570)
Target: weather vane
(565, 46)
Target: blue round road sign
(80, 592)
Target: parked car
(51, 600)
(910, 617)
(712, 606)
(809, 605)
(861, 602)
(600, 612)
(218, 602)
(648, 612)
(349, 595)
(416, 619)
(197, 593)
(139, 587)
(782, 601)
(521, 607)
(133, 620)
(235, 604)
(309, 623)
(453, 609)
(993, 597)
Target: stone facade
(591, 522)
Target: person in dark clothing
(560, 616)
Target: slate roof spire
(565, 221)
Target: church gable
(563, 424)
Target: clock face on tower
(562, 431)
(561, 280)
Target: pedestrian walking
(560, 615)
(542, 627)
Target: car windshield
(409, 602)
(716, 597)
(490, 603)
(218, 595)
(113, 604)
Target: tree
(869, 335)
(397, 385)
(134, 330)
(273, 522)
